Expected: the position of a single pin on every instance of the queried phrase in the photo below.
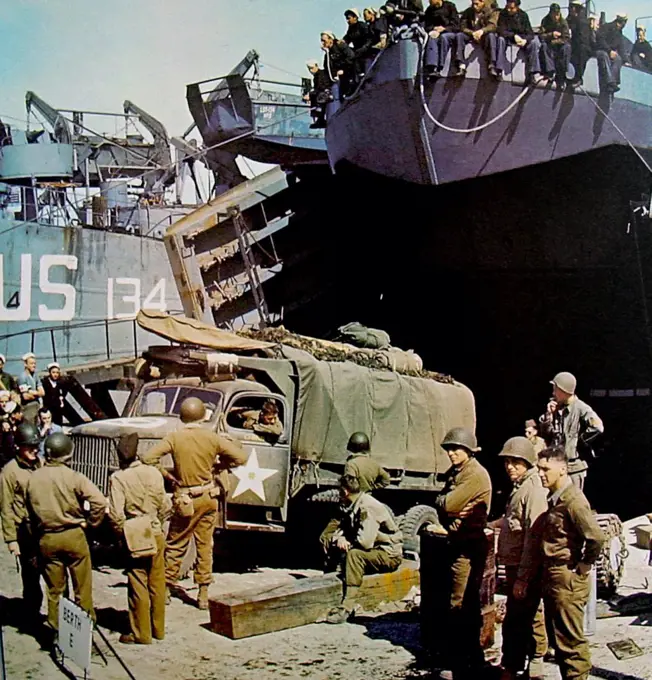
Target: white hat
(54, 364)
(29, 355)
(10, 407)
(5, 393)
(2, 358)
(330, 34)
(312, 62)
(577, 2)
(353, 10)
(622, 15)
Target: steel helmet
(462, 437)
(192, 410)
(565, 381)
(519, 447)
(58, 446)
(358, 442)
(27, 435)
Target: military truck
(320, 404)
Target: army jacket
(136, 491)
(519, 540)
(196, 453)
(571, 533)
(368, 524)
(56, 495)
(13, 490)
(578, 423)
(367, 471)
(467, 483)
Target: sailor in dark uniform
(338, 62)
(359, 38)
(319, 95)
(611, 53)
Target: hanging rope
(431, 117)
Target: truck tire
(611, 562)
(411, 524)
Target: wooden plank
(254, 612)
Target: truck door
(258, 490)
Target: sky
(93, 55)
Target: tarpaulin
(406, 418)
(190, 331)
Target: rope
(477, 128)
(618, 130)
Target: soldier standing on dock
(464, 504)
(16, 529)
(571, 544)
(524, 628)
(197, 453)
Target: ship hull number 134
(125, 296)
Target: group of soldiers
(548, 540)
(45, 506)
(548, 52)
(28, 399)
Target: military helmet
(519, 447)
(565, 381)
(192, 410)
(27, 435)
(358, 442)
(58, 446)
(461, 437)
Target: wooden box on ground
(303, 601)
(644, 536)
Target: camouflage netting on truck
(405, 417)
(389, 359)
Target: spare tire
(412, 523)
(611, 562)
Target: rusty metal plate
(625, 649)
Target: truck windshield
(165, 400)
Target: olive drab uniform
(55, 498)
(570, 535)
(519, 550)
(138, 491)
(573, 426)
(197, 454)
(251, 421)
(16, 528)
(376, 541)
(467, 549)
(367, 471)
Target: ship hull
(385, 128)
(72, 293)
(503, 281)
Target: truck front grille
(95, 457)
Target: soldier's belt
(195, 491)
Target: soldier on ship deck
(319, 95)
(581, 44)
(611, 53)
(442, 22)
(641, 55)
(555, 45)
(476, 23)
(359, 38)
(378, 28)
(514, 28)
(338, 62)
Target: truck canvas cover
(405, 417)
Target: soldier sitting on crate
(364, 540)
(519, 548)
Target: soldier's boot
(202, 597)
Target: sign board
(75, 633)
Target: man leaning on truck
(198, 454)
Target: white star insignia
(251, 477)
